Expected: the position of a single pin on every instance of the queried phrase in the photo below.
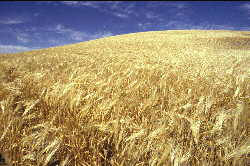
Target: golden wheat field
(157, 98)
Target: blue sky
(34, 25)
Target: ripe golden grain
(150, 98)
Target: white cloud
(175, 24)
(23, 37)
(121, 15)
(90, 4)
(78, 36)
(70, 2)
(180, 6)
(93, 4)
(151, 15)
(69, 34)
(101, 35)
(180, 24)
(208, 26)
(36, 14)
(244, 29)
(61, 29)
(47, 36)
(10, 21)
(80, 3)
(156, 4)
(53, 41)
(246, 6)
(180, 14)
(13, 48)
(115, 8)
(73, 34)
(145, 25)
(114, 5)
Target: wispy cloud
(172, 4)
(101, 35)
(55, 42)
(246, 7)
(72, 34)
(36, 14)
(178, 24)
(13, 48)
(126, 9)
(175, 24)
(80, 3)
(90, 4)
(70, 2)
(145, 25)
(114, 5)
(68, 34)
(93, 4)
(121, 15)
(18, 34)
(48, 36)
(151, 15)
(10, 21)
(180, 6)
(79, 35)
(114, 8)
(181, 18)
(23, 37)
(244, 28)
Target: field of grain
(158, 98)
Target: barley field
(157, 98)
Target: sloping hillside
(178, 97)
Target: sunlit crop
(154, 98)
